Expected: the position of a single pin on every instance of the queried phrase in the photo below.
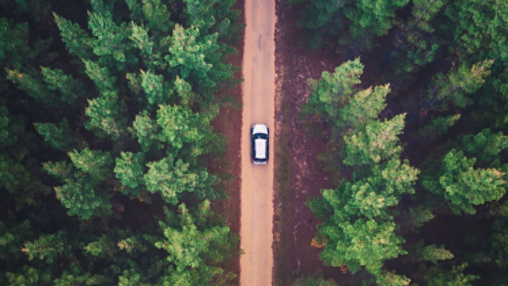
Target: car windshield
(259, 135)
(260, 148)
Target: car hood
(260, 128)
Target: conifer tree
(58, 137)
(376, 143)
(332, 91)
(171, 178)
(364, 243)
(191, 240)
(46, 247)
(129, 169)
(463, 185)
(70, 88)
(77, 41)
(440, 126)
(454, 86)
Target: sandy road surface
(258, 107)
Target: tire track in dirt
(257, 180)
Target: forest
(419, 159)
(105, 114)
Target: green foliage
(70, 88)
(33, 87)
(156, 90)
(188, 54)
(12, 237)
(382, 188)
(376, 143)
(440, 126)
(103, 247)
(454, 277)
(418, 216)
(454, 86)
(462, 185)
(332, 91)
(124, 65)
(148, 132)
(430, 253)
(97, 164)
(486, 146)
(363, 106)
(140, 37)
(11, 127)
(390, 279)
(171, 178)
(129, 169)
(83, 198)
(75, 275)
(16, 50)
(106, 117)
(499, 240)
(364, 243)
(28, 276)
(313, 280)
(109, 38)
(58, 137)
(367, 19)
(77, 41)
(478, 28)
(157, 16)
(102, 79)
(192, 241)
(46, 247)
(180, 126)
(376, 16)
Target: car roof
(260, 148)
(259, 128)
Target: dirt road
(257, 180)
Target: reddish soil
(229, 124)
(294, 223)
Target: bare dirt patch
(298, 174)
(229, 124)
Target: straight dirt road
(257, 180)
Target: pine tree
(191, 242)
(70, 88)
(180, 126)
(454, 277)
(156, 89)
(46, 247)
(77, 41)
(129, 169)
(188, 54)
(440, 126)
(458, 83)
(332, 91)
(364, 243)
(314, 280)
(83, 198)
(171, 178)
(464, 186)
(377, 16)
(363, 106)
(376, 143)
(58, 137)
(106, 117)
(97, 164)
(109, 38)
(486, 146)
(148, 132)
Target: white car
(259, 144)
